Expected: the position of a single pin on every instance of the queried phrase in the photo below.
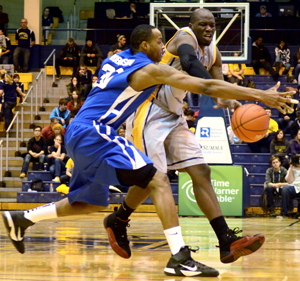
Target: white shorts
(167, 140)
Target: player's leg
(183, 152)
(181, 263)
(84, 197)
(16, 222)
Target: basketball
(250, 122)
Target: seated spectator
(280, 147)
(47, 23)
(48, 131)
(61, 112)
(25, 40)
(57, 158)
(121, 131)
(295, 144)
(118, 47)
(36, 150)
(65, 179)
(75, 103)
(295, 126)
(94, 81)
(263, 145)
(130, 13)
(74, 86)
(296, 64)
(225, 71)
(290, 190)
(68, 57)
(261, 58)
(4, 20)
(90, 54)
(236, 72)
(5, 48)
(8, 88)
(263, 12)
(84, 76)
(57, 131)
(275, 180)
(283, 57)
(16, 78)
(285, 121)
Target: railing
(22, 114)
(2, 184)
(45, 66)
(73, 21)
(17, 153)
(37, 117)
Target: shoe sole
(113, 242)
(245, 249)
(9, 225)
(172, 272)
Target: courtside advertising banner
(211, 134)
(227, 182)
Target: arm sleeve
(190, 63)
(29, 147)
(272, 148)
(293, 149)
(268, 178)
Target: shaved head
(199, 13)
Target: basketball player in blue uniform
(102, 157)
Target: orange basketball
(250, 122)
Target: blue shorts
(97, 151)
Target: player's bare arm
(216, 73)
(184, 38)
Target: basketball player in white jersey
(161, 132)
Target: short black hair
(141, 33)
(268, 108)
(37, 127)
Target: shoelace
(196, 249)
(231, 233)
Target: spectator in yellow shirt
(236, 72)
(65, 179)
(263, 145)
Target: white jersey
(161, 132)
(172, 97)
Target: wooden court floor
(76, 248)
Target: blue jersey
(112, 100)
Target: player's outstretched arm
(163, 74)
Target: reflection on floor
(76, 248)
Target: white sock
(41, 213)
(175, 239)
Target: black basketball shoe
(182, 264)
(117, 235)
(233, 247)
(16, 224)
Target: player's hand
(224, 103)
(278, 100)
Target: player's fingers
(286, 108)
(289, 93)
(275, 87)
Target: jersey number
(108, 75)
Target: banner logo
(189, 191)
(205, 132)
